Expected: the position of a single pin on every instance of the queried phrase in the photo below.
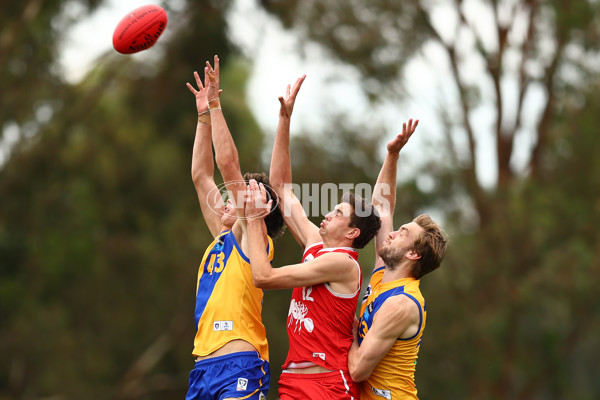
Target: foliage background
(101, 234)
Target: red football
(140, 29)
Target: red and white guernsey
(319, 323)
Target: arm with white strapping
(226, 154)
(202, 160)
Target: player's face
(337, 223)
(399, 243)
(229, 215)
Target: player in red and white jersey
(313, 333)
(327, 282)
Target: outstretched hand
(287, 102)
(396, 144)
(256, 205)
(201, 93)
(213, 79)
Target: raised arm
(280, 174)
(335, 268)
(202, 160)
(226, 154)
(281, 170)
(384, 193)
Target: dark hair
(364, 217)
(273, 221)
(430, 245)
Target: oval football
(139, 29)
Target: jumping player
(230, 346)
(326, 284)
(393, 313)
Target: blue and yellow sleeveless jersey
(394, 376)
(228, 305)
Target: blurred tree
(30, 40)
(505, 321)
(515, 310)
(502, 55)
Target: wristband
(204, 117)
(214, 104)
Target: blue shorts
(242, 375)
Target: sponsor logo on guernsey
(242, 384)
(370, 308)
(261, 396)
(320, 355)
(297, 314)
(367, 293)
(382, 393)
(222, 326)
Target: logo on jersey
(242, 384)
(382, 393)
(297, 316)
(298, 311)
(320, 355)
(367, 293)
(222, 326)
(261, 396)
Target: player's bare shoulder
(401, 314)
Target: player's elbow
(261, 280)
(202, 182)
(197, 176)
(276, 181)
(357, 374)
(228, 164)
(278, 184)
(356, 368)
(258, 282)
(267, 280)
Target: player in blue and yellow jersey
(230, 346)
(392, 317)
